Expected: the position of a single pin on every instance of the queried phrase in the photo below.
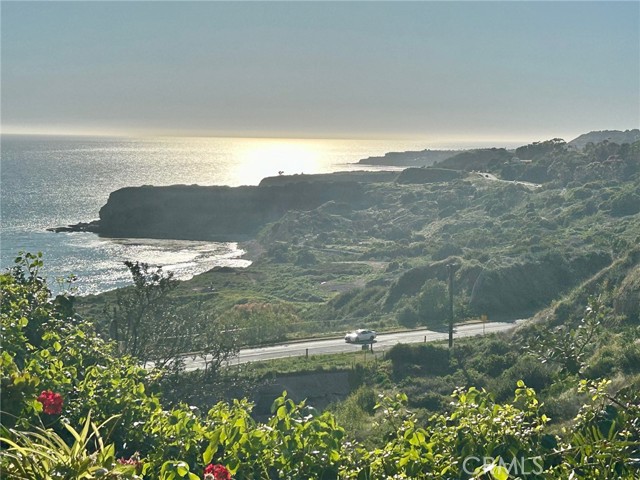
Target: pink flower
(51, 402)
(216, 472)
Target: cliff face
(410, 159)
(364, 176)
(212, 213)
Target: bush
(625, 203)
(605, 362)
(565, 406)
(43, 453)
(528, 369)
(630, 358)
(50, 348)
(356, 411)
(445, 251)
(408, 317)
(432, 359)
(433, 303)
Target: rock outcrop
(210, 213)
(363, 176)
(421, 158)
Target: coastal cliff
(210, 213)
(421, 158)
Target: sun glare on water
(268, 158)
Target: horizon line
(484, 139)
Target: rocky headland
(422, 158)
(218, 213)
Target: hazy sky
(321, 69)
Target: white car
(360, 336)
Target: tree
(540, 149)
(432, 302)
(407, 317)
(567, 347)
(150, 325)
(139, 308)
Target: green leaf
(281, 412)
(498, 472)
(182, 469)
(334, 456)
(233, 465)
(207, 456)
(37, 406)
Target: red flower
(51, 402)
(216, 472)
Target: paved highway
(338, 345)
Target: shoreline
(253, 250)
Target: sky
(447, 70)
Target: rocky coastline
(422, 158)
(210, 213)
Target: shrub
(630, 358)
(527, 368)
(433, 303)
(604, 362)
(445, 251)
(624, 203)
(42, 453)
(52, 349)
(355, 413)
(408, 317)
(432, 359)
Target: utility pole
(450, 270)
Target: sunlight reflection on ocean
(182, 258)
(53, 181)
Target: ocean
(48, 181)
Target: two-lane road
(338, 345)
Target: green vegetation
(148, 325)
(518, 247)
(126, 432)
(77, 404)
